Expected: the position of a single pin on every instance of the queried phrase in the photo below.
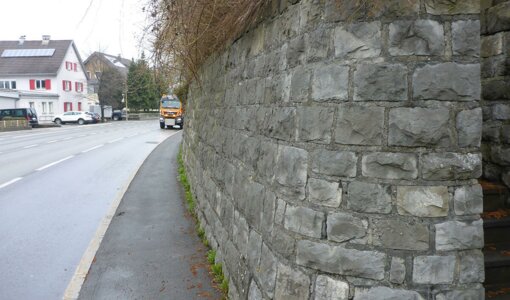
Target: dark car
(95, 116)
(28, 114)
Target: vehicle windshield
(167, 103)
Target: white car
(79, 117)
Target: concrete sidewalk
(151, 250)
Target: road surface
(56, 185)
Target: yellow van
(171, 112)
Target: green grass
(216, 268)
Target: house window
(32, 104)
(69, 66)
(36, 84)
(98, 75)
(44, 107)
(8, 85)
(68, 106)
(40, 84)
(79, 87)
(50, 107)
(66, 85)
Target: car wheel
(162, 125)
(58, 121)
(81, 121)
(116, 118)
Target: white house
(46, 75)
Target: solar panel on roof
(28, 52)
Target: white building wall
(6, 102)
(72, 96)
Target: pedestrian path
(150, 250)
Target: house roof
(121, 64)
(33, 64)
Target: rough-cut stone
(419, 37)
(433, 269)
(386, 293)
(466, 38)
(456, 235)
(422, 201)
(452, 7)
(496, 89)
(254, 292)
(447, 81)
(469, 127)
(397, 270)
(451, 166)
(491, 45)
(266, 273)
(315, 124)
(324, 193)
(296, 51)
(390, 165)
(401, 235)
(501, 112)
(254, 249)
(468, 200)
(327, 288)
(281, 124)
(369, 197)
(340, 260)
(342, 227)
(471, 267)
(469, 294)
(300, 84)
(380, 82)
(359, 125)
(360, 40)
(498, 17)
(330, 82)
(334, 163)
(419, 127)
(318, 44)
(304, 221)
(291, 284)
(291, 171)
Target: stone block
(369, 197)
(318, 44)
(498, 17)
(296, 51)
(315, 124)
(324, 193)
(283, 243)
(386, 165)
(451, 166)
(501, 155)
(419, 127)
(330, 82)
(469, 127)
(268, 213)
(491, 45)
(386, 293)
(300, 85)
(455, 7)
(423, 201)
(395, 9)
(327, 288)
(266, 273)
(254, 249)
(397, 270)
(304, 221)
(468, 294)
(335, 11)
(281, 123)
(433, 269)
(340, 260)
(359, 125)
(466, 38)
(447, 81)
(468, 200)
(385, 82)
(267, 161)
(456, 235)
(291, 284)
(418, 37)
(254, 292)
(495, 66)
(399, 234)
(471, 267)
(505, 134)
(342, 227)
(291, 171)
(359, 40)
(496, 89)
(277, 89)
(334, 163)
(501, 112)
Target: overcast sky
(110, 26)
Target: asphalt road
(56, 185)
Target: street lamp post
(124, 98)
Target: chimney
(46, 40)
(22, 39)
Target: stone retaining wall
(334, 152)
(10, 125)
(495, 53)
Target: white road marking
(54, 163)
(68, 138)
(49, 142)
(30, 146)
(10, 182)
(93, 148)
(115, 140)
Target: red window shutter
(65, 106)
(76, 86)
(48, 84)
(70, 86)
(79, 106)
(75, 67)
(71, 105)
(32, 84)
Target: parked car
(80, 117)
(118, 115)
(95, 116)
(28, 114)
